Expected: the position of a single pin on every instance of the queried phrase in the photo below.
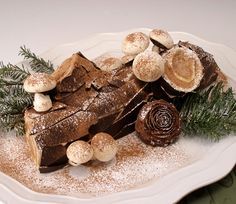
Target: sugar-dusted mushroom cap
(39, 82)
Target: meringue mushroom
(183, 69)
(134, 43)
(104, 147)
(109, 63)
(39, 82)
(161, 39)
(156, 49)
(42, 102)
(127, 59)
(79, 152)
(148, 66)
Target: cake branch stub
(183, 69)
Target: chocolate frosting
(86, 101)
(158, 123)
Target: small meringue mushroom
(161, 38)
(148, 66)
(104, 146)
(79, 152)
(42, 102)
(39, 82)
(127, 59)
(156, 49)
(109, 63)
(135, 43)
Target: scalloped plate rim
(116, 196)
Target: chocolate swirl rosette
(158, 123)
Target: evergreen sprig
(12, 74)
(13, 122)
(13, 98)
(210, 113)
(37, 64)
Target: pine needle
(210, 113)
(12, 74)
(37, 64)
(13, 98)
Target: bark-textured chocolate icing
(87, 100)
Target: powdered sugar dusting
(136, 164)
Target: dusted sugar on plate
(135, 165)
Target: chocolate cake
(86, 100)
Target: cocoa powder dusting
(134, 165)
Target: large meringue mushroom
(79, 152)
(108, 63)
(183, 69)
(104, 147)
(161, 39)
(135, 43)
(148, 66)
(38, 83)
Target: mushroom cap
(79, 152)
(161, 38)
(104, 147)
(148, 66)
(127, 59)
(109, 63)
(134, 43)
(39, 82)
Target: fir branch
(13, 98)
(13, 122)
(12, 74)
(210, 113)
(15, 103)
(37, 64)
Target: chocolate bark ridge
(158, 123)
(69, 64)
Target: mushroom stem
(42, 102)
